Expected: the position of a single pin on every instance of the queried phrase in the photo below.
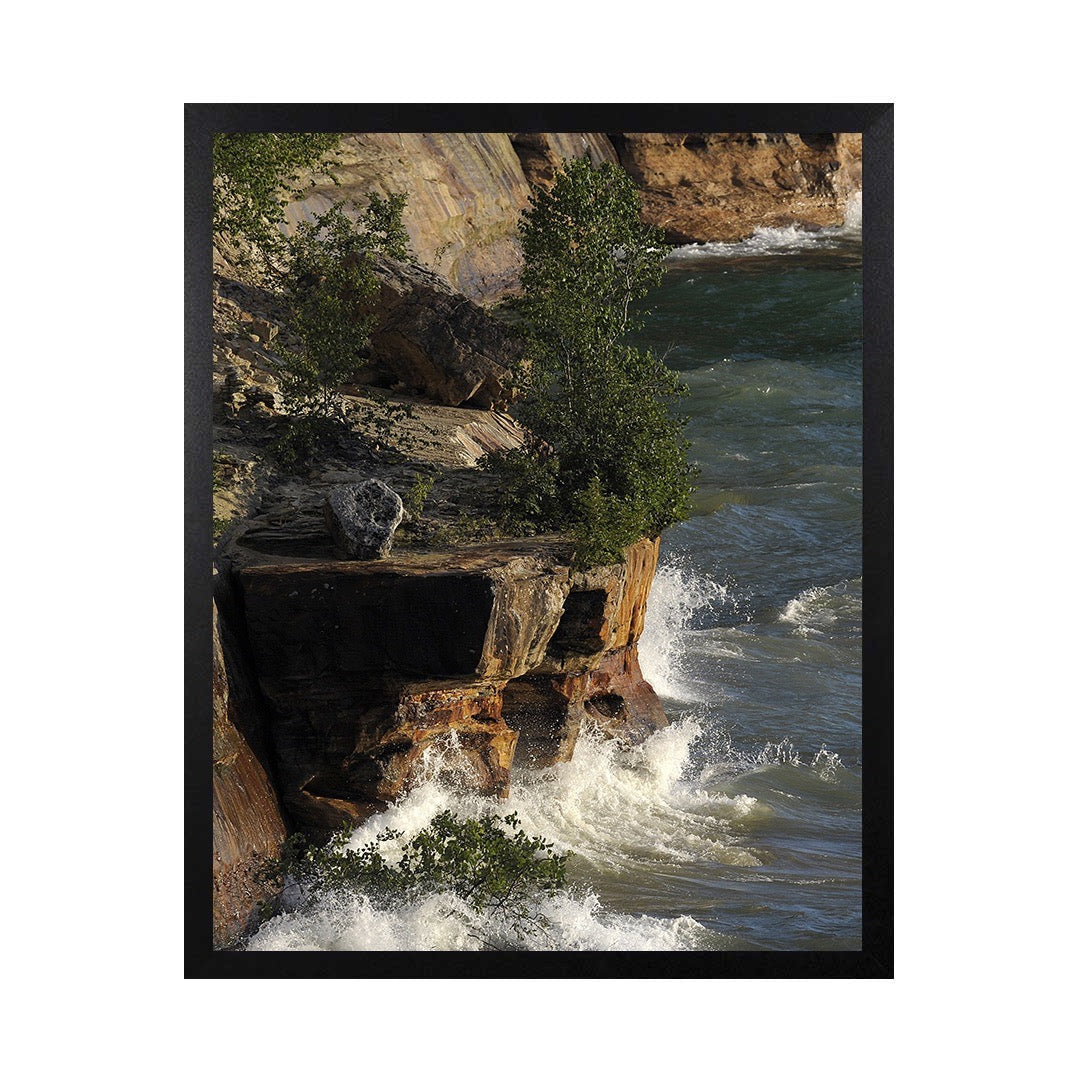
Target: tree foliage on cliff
(488, 862)
(607, 458)
(328, 285)
(322, 274)
(256, 175)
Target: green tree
(256, 175)
(607, 458)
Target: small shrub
(529, 490)
(466, 528)
(489, 862)
(304, 438)
(328, 288)
(417, 495)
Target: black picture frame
(875, 122)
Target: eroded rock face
(248, 825)
(465, 191)
(383, 674)
(362, 518)
(723, 185)
(541, 153)
(438, 343)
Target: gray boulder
(362, 518)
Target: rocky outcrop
(247, 821)
(724, 185)
(382, 674)
(349, 681)
(465, 191)
(541, 153)
(437, 343)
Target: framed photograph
(539, 558)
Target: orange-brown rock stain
(384, 674)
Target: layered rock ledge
(382, 674)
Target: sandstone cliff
(457, 663)
(541, 153)
(466, 190)
(458, 656)
(248, 826)
(723, 186)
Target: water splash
(444, 922)
(831, 609)
(680, 597)
(782, 240)
(853, 214)
(622, 810)
(826, 763)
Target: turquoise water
(738, 827)
(755, 628)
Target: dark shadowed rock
(439, 343)
(383, 674)
(542, 152)
(362, 518)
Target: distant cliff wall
(467, 190)
(723, 186)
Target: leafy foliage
(323, 273)
(417, 495)
(256, 175)
(328, 286)
(494, 870)
(608, 458)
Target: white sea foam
(824, 608)
(443, 922)
(781, 240)
(622, 808)
(618, 809)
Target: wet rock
(362, 518)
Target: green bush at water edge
(495, 871)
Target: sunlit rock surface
(465, 192)
(248, 825)
(722, 186)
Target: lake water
(739, 826)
